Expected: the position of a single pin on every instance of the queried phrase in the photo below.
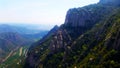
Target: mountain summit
(89, 38)
(110, 2)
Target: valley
(15, 59)
(88, 38)
(14, 44)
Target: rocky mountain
(46, 37)
(89, 38)
(50, 33)
(110, 2)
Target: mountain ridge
(110, 2)
(89, 38)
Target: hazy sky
(38, 11)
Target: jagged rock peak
(110, 2)
(56, 27)
(77, 17)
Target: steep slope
(97, 48)
(35, 47)
(16, 58)
(89, 38)
(5, 49)
(10, 41)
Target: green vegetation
(95, 46)
(90, 39)
(16, 60)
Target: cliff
(89, 38)
(77, 17)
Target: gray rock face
(60, 41)
(110, 2)
(77, 17)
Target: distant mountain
(29, 33)
(34, 26)
(46, 37)
(18, 29)
(89, 38)
(35, 36)
(14, 37)
(9, 41)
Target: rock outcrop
(77, 17)
(110, 2)
(60, 40)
